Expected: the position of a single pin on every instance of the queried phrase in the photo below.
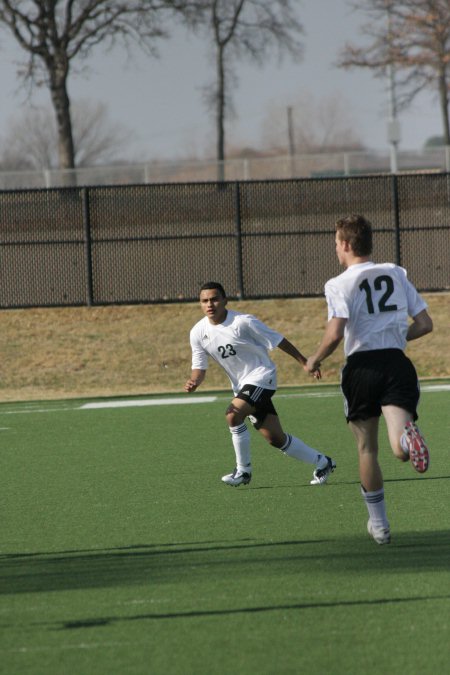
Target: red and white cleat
(417, 448)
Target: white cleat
(320, 476)
(381, 536)
(237, 478)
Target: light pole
(393, 125)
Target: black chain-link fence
(261, 239)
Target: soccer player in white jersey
(369, 305)
(239, 343)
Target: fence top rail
(376, 177)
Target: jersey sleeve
(415, 301)
(336, 301)
(262, 334)
(199, 355)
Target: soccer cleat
(417, 449)
(320, 476)
(380, 535)
(237, 478)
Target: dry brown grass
(116, 351)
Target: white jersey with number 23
(239, 345)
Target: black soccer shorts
(372, 379)
(261, 400)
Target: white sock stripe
(287, 443)
(373, 499)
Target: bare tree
(239, 29)
(318, 125)
(414, 37)
(32, 139)
(55, 33)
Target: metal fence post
(87, 247)
(395, 206)
(237, 220)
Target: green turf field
(122, 552)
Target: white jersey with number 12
(377, 300)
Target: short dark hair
(214, 285)
(357, 231)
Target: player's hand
(191, 385)
(311, 366)
(315, 373)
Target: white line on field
(435, 387)
(185, 400)
(28, 411)
(61, 647)
(211, 399)
(147, 401)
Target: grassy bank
(125, 350)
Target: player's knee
(367, 449)
(233, 415)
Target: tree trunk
(220, 115)
(61, 105)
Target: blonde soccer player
(370, 306)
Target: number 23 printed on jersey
(226, 351)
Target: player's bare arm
(197, 377)
(334, 332)
(421, 325)
(292, 350)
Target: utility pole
(291, 139)
(393, 126)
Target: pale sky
(161, 100)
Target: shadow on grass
(108, 621)
(336, 482)
(220, 560)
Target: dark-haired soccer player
(239, 343)
(369, 305)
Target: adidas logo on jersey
(246, 393)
